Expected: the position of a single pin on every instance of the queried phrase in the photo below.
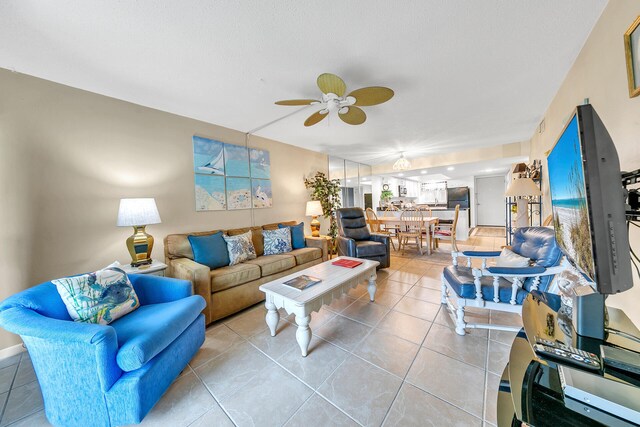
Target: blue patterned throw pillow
(240, 247)
(297, 235)
(99, 297)
(277, 241)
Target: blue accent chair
(107, 375)
(489, 287)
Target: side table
(329, 240)
(156, 268)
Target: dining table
(394, 221)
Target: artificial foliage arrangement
(327, 191)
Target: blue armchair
(500, 288)
(107, 375)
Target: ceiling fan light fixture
(334, 98)
(402, 164)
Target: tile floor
(393, 362)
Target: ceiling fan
(333, 99)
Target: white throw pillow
(99, 297)
(508, 258)
(277, 241)
(240, 247)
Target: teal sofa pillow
(210, 250)
(297, 235)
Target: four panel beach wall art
(230, 177)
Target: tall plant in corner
(327, 191)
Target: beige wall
(599, 74)
(66, 158)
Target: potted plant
(386, 195)
(327, 191)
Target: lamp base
(140, 245)
(315, 226)
(522, 218)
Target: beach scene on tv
(569, 200)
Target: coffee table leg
(303, 334)
(372, 287)
(273, 317)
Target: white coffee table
(336, 281)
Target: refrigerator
(458, 196)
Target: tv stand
(530, 388)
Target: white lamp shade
(138, 212)
(314, 208)
(523, 187)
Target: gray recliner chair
(355, 240)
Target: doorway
(490, 203)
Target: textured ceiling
(465, 73)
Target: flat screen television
(588, 202)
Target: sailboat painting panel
(236, 160)
(208, 156)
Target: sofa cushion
(151, 328)
(256, 237)
(369, 248)
(210, 250)
(272, 264)
(297, 235)
(306, 255)
(277, 241)
(461, 280)
(99, 297)
(233, 275)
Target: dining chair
(376, 227)
(426, 212)
(446, 232)
(412, 223)
(426, 209)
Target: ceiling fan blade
(315, 118)
(355, 116)
(297, 102)
(330, 83)
(373, 95)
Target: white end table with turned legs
(336, 281)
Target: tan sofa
(230, 289)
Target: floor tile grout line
(404, 379)
(214, 398)
(6, 402)
(486, 370)
(315, 390)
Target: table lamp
(314, 209)
(138, 213)
(522, 187)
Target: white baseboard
(6, 353)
